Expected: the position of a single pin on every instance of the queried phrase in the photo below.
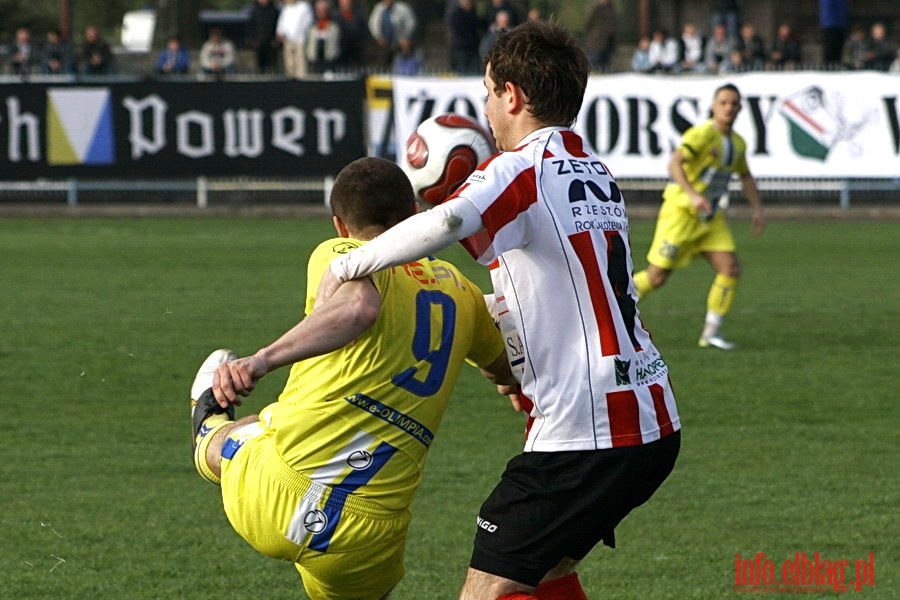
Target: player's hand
(758, 223)
(701, 205)
(237, 378)
(327, 287)
(513, 392)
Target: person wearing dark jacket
(261, 34)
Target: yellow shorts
(344, 547)
(681, 235)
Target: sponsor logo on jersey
(401, 421)
(315, 521)
(650, 369)
(343, 247)
(486, 525)
(623, 377)
(359, 459)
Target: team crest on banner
(817, 122)
(80, 126)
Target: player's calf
(207, 417)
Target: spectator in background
(855, 48)
(751, 48)
(23, 55)
(96, 56)
(323, 44)
(727, 13)
(600, 34)
(294, 23)
(879, 51)
(690, 49)
(390, 22)
(718, 50)
(735, 63)
(174, 59)
(640, 60)
(785, 54)
(663, 52)
(502, 22)
(408, 60)
(465, 29)
(261, 35)
(217, 55)
(354, 32)
(834, 19)
(56, 56)
(495, 6)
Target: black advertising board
(159, 129)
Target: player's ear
(339, 226)
(515, 97)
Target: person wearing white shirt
(663, 51)
(293, 26)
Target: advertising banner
(796, 124)
(160, 129)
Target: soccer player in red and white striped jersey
(546, 215)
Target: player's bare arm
(676, 172)
(751, 192)
(499, 372)
(352, 309)
(420, 235)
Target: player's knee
(732, 270)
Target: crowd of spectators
(747, 50)
(300, 38)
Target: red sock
(564, 588)
(517, 596)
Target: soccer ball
(441, 154)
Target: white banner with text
(796, 124)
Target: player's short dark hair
(727, 87)
(372, 192)
(548, 63)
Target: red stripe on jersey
(573, 143)
(658, 393)
(527, 407)
(624, 418)
(516, 198)
(584, 249)
(465, 184)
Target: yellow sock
(207, 433)
(642, 284)
(721, 294)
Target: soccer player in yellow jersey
(324, 477)
(690, 222)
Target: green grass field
(790, 443)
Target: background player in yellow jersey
(690, 222)
(324, 476)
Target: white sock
(712, 324)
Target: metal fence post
(845, 194)
(202, 191)
(72, 191)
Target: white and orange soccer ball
(441, 154)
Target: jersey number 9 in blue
(439, 357)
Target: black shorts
(554, 505)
